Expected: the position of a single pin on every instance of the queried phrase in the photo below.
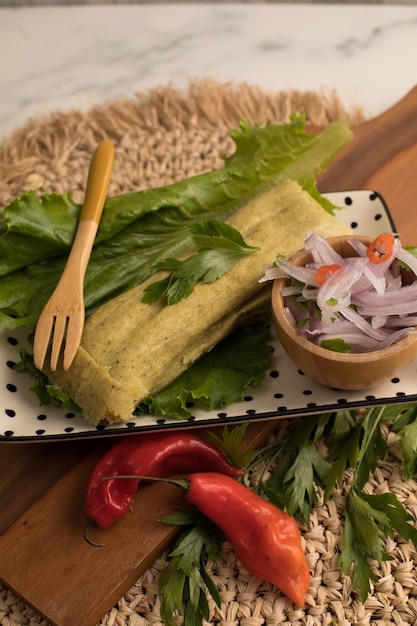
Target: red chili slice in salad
(381, 248)
(325, 271)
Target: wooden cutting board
(383, 157)
(43, 556)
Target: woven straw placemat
(160, 137)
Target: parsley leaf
(47, 393)
(220, 247)
(406, 427)
(372, 445)
(185, 580)
(337, 345)
(369, 518)
(233, 445)
(357, 552)
(332, 302)
(319, 452)
(300, 466)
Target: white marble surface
(61, 57)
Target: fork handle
(98, 182)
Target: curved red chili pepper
(155, 455)
(266, 540)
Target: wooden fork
(63, 315)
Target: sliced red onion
(400, 321)
(335, 293)
(309, 293)
(300, 273)
(272, 273)
(363, 303)
(408, 258)
(362, 324)
(359, 247)
(291, 318)
(395, 308)
(380, 321)
(338, 327)
(405, 297)
(290, 290)
(322, 252)
(393, 280)
(356, 340)
(396, 336)
(375, 276)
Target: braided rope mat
(160, 137)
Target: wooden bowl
(335, 369)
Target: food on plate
(352, 303)
(131, 349)
(138, 234)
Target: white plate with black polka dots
(285, 391)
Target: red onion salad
(355, 304)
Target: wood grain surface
(43, 556)
(383, 157)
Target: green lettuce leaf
(27, 221)
(139, 230)
(219, 378)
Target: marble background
(14, 3)
(65, 57)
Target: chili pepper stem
(91, 524)
(182, 483)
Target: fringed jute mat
(160, 137)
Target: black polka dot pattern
(285, 391)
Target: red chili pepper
(325, 271)
(266, 540)
(154, 455)
(381, 248)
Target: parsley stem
(266, 456)
(369, 425)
